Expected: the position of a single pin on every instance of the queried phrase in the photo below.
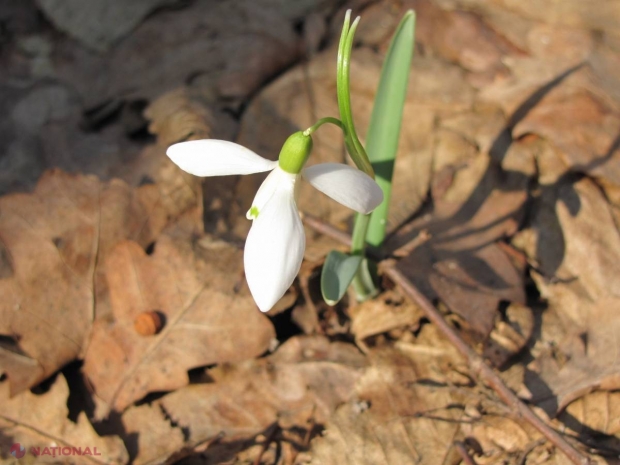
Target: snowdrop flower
(275, 246)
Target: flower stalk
(321, 122)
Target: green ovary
(295, 152)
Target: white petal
(275, 247)
(211, 157)
(346, 185)
(276, 178)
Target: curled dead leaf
(175, 117)
(387, 312)
(510, 334)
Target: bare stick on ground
(462, 451)
(478, 367)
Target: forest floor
(127, 332)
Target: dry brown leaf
(384, 313)
(176, 117)
(461, 264)
(461, 37)
(404, 411)
(41, 421)
(479, 190)
(510, 335)
(573, 13)
(101, 23)
(582, 127)
(356, 437)
(154, 435)
(52, 242)
(612, 192)
(576, 247)
(411, 405)
(193, 286)
(586, 360)
(166, 191)
(565, 101)
(226, 49)
(504, 440)
(42, 130)
(305, 379)
(596, 419)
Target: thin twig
(477, 365)
(306, 441)
(480, 369)
(405, 250)
(462, 450)
(267, 442)
(327, 229)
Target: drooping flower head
(275, 246)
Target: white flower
(275, 246)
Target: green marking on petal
(252, 213)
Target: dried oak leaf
(175, 117)
(154, 435)
(574, 242)
(458, 36)
(576, 246)
(572, 13)
(382, 314)
(100, 23)
(411, 405)
(596, 418)
(403, 410)
(510, 334)
(41, 420)
(587, 359)
(52, 241)
(583, 127)
(479, 189)
(207, 321)
(306, 378)
(461, 263)
(42, 129)
(567, 103)
(226, 49)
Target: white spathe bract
(275, 246)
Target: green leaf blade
(338, 271)
(385, 123)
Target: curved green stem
(321, 122)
